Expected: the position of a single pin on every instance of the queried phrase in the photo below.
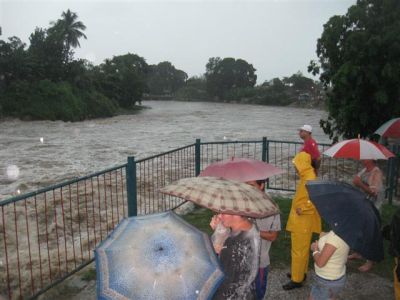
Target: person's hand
(217, 249)
(314, 246)
(373, 191)
(357, 181)
(298, 211)
(215, 220)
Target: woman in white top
(330, 256)
(370, 181)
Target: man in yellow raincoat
(303, 221)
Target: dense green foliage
(222, 75)
(44, 81)
(233, 80)
(194, 89)
(164, 78)
(122, 78)
(359, 65)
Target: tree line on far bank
(45, 81)
(358, 67)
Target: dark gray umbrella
(350, 215)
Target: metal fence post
(265, 154)
(131, 188)
(197, 156)
(264, 149)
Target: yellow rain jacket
(309, 220)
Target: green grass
(89, 275)
(280, 250)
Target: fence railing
(156, 171)
(47, 235)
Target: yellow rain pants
(302, 226)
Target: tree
(123, 78)
(46, 55)
(13, 61)
(359, 66)
(299, 82)
(165, 78)
(70, 30)
(222, 75)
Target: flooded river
(35, 154)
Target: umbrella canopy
(157, 256)
(223, 196)
(390, 129)
(241, 169)
(358, 149)
(350, 215)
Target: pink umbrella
(390, 129)
(241, 169)
(358, 149)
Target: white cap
(307, 128)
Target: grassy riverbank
(280, 250)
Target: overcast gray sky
(278, 37)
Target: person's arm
(375, 181)
(322, 257)
(357, 182)
(269, 235)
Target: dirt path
(359, 286)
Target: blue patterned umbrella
(157, 256)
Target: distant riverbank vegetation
(358, 68)
(234, 80)
(44, 81)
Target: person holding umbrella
(234, 202)
(303, 221)
(254, 173)
(330, 256)
(337, 203)
(239, 257)
(369, 180)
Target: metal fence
(47, 235)
(157, 171)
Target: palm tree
(70, 29)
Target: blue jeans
(261, 282)
(324, 289)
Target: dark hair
(261, 181)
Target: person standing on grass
(310, 146)
(370, 181)
(269, 228)
(303, 220)
(239, 257)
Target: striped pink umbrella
(358, 149)
(390, 129)
(241, 169)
